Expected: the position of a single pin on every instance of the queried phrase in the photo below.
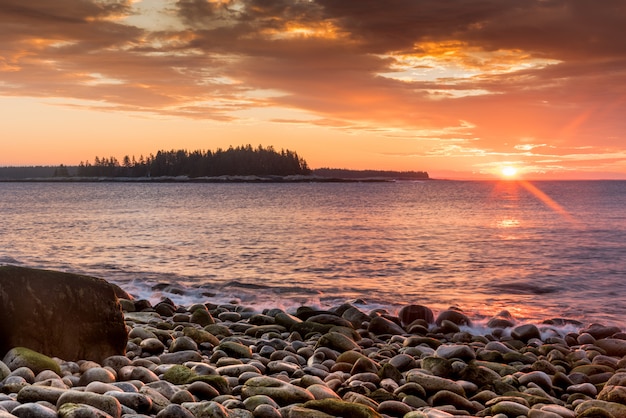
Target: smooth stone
(96, 374)
(50, 311)
(202, 317)
(179, 374)
(612, 347)
(105, 403)
(394, 408)
(454, 316)
(135, 401)
(460, 351)
(102, 388)
(203, 390)
(599, 331)
(201, 336)
(510, 409)
(24, 357)
(504, 319)
(355, 316)
(584, 388)
(152, 345)
(159, 401)
(537, 377)
(40, 393)
(4, 371)
(539, 413)
(613, 394)
(180, 357)
(266, 411)
(25, 373)
(220, 383)
(337, 341)
(235, 349)
(183, 343)
(282, 392)
(254, 401)
(206, 409)
(297, 411)
(615, 409)
(411, 313)
(433, 384)
(336, 407)
(559, 410)
(74, 410)
(33, 410)
(330, 319)
(438, 366)
(175, 411)
(525, 332)
(235, 370)
(445, 397)
(143, 374)
(382, 326)
(320, 391)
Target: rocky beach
(208, 360)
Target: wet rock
(49, 311)
(382, 326)
(525, 332)
(411, 313)
(455, 316)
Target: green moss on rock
(25, 357)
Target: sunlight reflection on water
(482, 246)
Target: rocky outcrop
(63, 315)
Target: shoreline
(229, 360)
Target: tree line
(239, 161)
(355, 174)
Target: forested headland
(241, 161)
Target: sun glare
(508, 171)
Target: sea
(538, 250)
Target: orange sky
(457, 88)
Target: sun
(508, 171)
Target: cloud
(550, 70)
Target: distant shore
(219, 179)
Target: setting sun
(508, 171)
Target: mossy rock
(25, 357)
(339, 408)
(218, 382)
(201, 336)
(179, 374)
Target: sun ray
(547, 200)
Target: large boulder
(63, 315)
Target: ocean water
(539, 250)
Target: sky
(457, 88)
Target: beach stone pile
(230, 361)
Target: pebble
(228, 361)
